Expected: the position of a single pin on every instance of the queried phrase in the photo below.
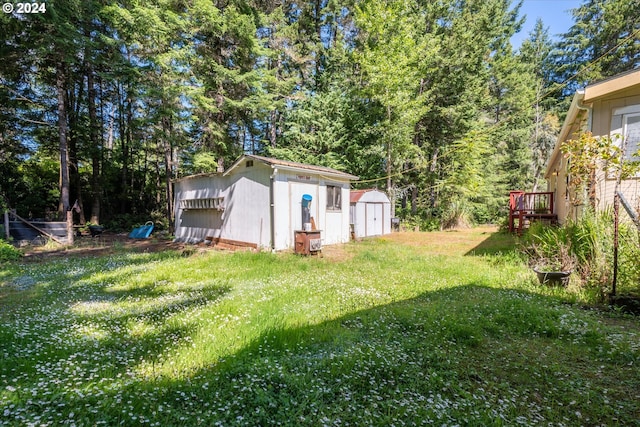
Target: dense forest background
(106, 102)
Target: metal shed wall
(288, 190)
(245, 216)
(193, 225)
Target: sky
(555, 15)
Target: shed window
(249, 164)
(334, 198)
(205, 203)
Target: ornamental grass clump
(549, 249)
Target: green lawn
(414, 329)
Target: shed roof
(356, 195)
(198, 175)
(294, 166)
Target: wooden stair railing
(526, 207)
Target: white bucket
(306, 226)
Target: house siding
(604, 124)
(247, 213)
(194, 225)
(601, 123)
(245, 217)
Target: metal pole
(616, 211)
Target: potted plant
(94, 229)
(555, 268)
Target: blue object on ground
(142, 232)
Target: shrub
(424, 219)
(592, 242)
(8, 252)
(457, 215)
(629, 254)
(549, 248)
(125, 222)
(589, 241)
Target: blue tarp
(142, 232)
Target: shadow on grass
(466, 355)
(421, 359)
(34, 282)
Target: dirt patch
(443, 242)
(105, 244)
(337, 253)
(450, 242)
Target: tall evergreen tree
(463, 83)
(535, 52)
(603, 41)
(390, 55)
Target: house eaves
(572, 115)
(610, 86)
(583, 99)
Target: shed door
(374, 219)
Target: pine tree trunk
(64, 149)
(74, 170)
(273, 128)
(96, 187)
(126, 152)
(414, 200)
(433, 169)
(168, 157)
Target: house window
(631, 133)
(625, 129)
(334, 198)
(249, 164)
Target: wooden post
(6, 224)
(70, 227)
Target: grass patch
(405, 330)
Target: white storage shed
(370, 213)
(257, 202)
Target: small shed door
(374, 219)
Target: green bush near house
(590, 241)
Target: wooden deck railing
(526, 207)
